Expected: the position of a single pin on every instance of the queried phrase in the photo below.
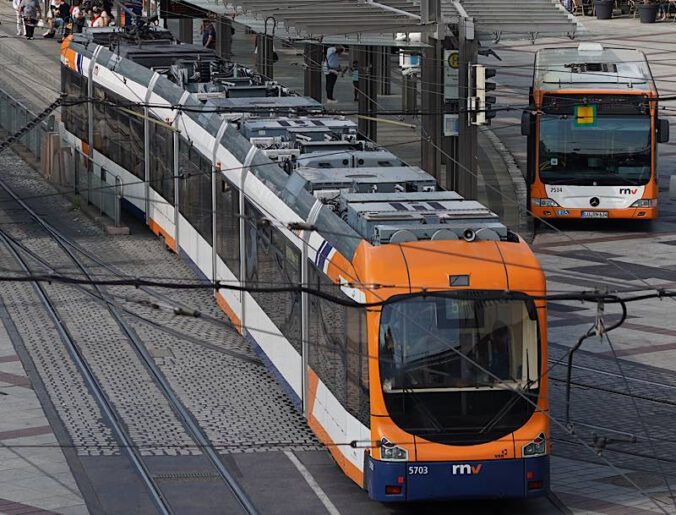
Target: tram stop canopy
(372, 22)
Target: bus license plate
(594, 214)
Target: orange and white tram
(439, 392)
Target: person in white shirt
(20, 29)
(100, 17)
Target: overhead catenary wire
(473, 174)
(501, 192)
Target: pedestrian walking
(31, 12)
(20, 31)
(333, 68)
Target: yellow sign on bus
(585, 115)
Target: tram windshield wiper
(520, 391)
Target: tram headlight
(537, 447)
(390, 452)
(645, 202)
(543, 202)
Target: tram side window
(162, 161)
(126, 135)
(358, 400)
(327, 336)
(129, 136)
(75, 117)
(227, 224)
(272, 260)
(102, 125)
(195, 189)
(338, 347)
(113, 132)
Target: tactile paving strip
(210, 367)
(150, 421)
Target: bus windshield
(614, 151)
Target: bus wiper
(572, 181)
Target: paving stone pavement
(616, 255)
(34, 473)
(577, 257)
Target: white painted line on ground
(330, 507)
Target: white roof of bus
(624, 68)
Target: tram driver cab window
(446, 344)
(493, 352)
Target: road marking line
(330, 507)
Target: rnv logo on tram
(466, 470)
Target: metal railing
(14, 116)
(94, 184)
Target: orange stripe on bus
(230, 313)
(168, 240)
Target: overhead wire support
(598, 329)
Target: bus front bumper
(634, 213)
(389, 481)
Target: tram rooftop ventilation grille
(392, 218)
(289, 128)
(368, 179)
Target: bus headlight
(543, 202)
(390, 452)
(537, 447)
(645, 202)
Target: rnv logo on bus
(628, 191)
(466, 470)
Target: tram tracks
(109, 403)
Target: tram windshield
(611, 151)
(450, 367)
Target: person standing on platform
(60, 16)
(20, 31)
(208, 34)
(355, 80)
(31, 12)
(78, 16)
(333, 68)
(134, 9)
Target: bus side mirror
(530, 176)
(662, 130)
(525, 123)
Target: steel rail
(95, 387)
(195, 431)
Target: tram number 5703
(420, 470)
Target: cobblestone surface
(73, 402)
(149, 419)
(210, 367)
